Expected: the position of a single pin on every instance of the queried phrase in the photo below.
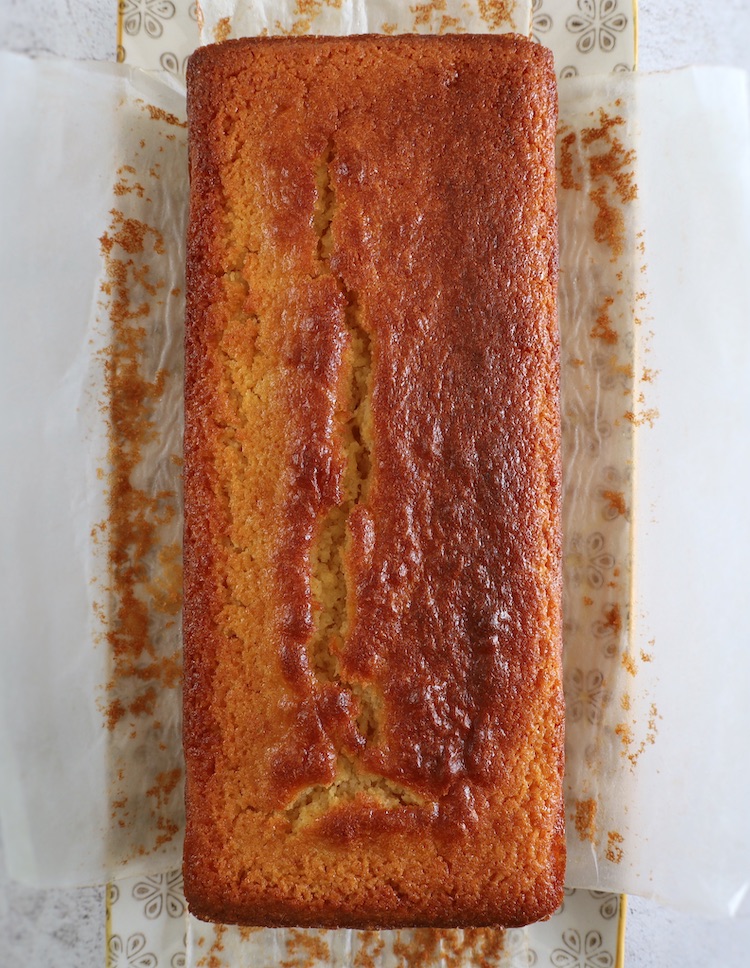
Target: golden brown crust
(373, 704)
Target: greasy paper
(653, 380)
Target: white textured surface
(84, 29)
(65, 929)
(50, 929)
(674, 33)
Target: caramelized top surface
(372, 462)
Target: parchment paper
(657, 732)
(92, 190)
(657, 721)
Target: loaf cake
(373, 719)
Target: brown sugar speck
(423, 11)
(585, 819)
(144, 704)
(614, 849)
(425, 947)
(135, 517)
(496, 13)
(603, 326)
(122, 188)
(609, 225)
(130, 234)
(483, 946)
(650, 738)
(165, 785)
(606, 125)
(568, 179)
(305, 12)
(451, 25)
(616, 163)
(305, 948)
(211, 958)
(627, 739)
(371, 945)
(644, 417)
(159, 114)
(615, 501)
(167, 831)
(612, 172)
(165, 590)
(114, 713)
(613, 619)
(139, 554)
(624, 369)
(625, 733)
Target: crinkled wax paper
(92, 204)
(654, 524)
(654, 225)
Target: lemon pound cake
(373, 704)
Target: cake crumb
(615, 501)
(625, 733)
(568, 179)
(603, 329)
(613, 618)
(211, 958)
(614, 849)
(305, 949)
(497, 13)
(452, 948)
(222, 30)
(371, 945)
(159, 114)
(644, 417)
(585, 819)
(165, 785)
